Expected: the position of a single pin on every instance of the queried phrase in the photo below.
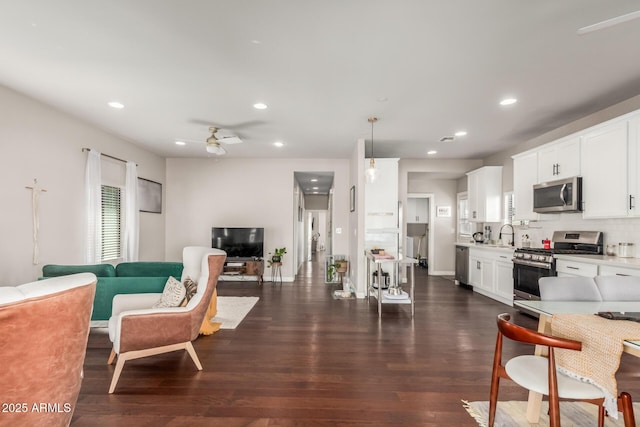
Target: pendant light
(372, 172)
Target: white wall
(38, 141)
(203, 193)
(357, 260)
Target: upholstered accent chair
(137, 330)
(43, 340)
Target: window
(111, 223)
(509, 209)
(464, 226)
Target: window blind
(111, 223)
(509, 208)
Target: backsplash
(615, 230)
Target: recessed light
(432, 152)
(116, 104)
(256, 42)
(508, 101)
(279, 144)
(314, 179)
(461, 133)
(315, 188)
(315, 192)
(260, 106)
(180, 143)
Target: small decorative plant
(276, 256)
(339, 266)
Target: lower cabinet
(491, 273)
(568, 268)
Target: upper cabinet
(484, 187)
(607, 156)
(634, 165)
(559, 160)
(525, 176)
(417, 210)
(605, 171)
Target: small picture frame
(443, 211)
(352, 199)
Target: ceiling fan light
(215, 149)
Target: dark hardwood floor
(302, 358)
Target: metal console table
(377, 261)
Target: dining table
(546, 309)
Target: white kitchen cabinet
(484, 187)
(417, 210)
(481, 273)
(525, 176)
(382, 208)
(566, 268)
(634, 165)
(611, 270)
(504, 278)
(603, 162)
(559, 159)
(491, 273)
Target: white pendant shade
(371, 172)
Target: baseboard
(441, 273)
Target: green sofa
(125, 278)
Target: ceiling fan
(213, 142)
(609, 22)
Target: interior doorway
(314, 210)
(420, 220)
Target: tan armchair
(136, 330)
(45, 327)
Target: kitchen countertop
(498, 248)
(602, 260)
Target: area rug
(231, 310)
(513, 413)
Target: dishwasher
(462, 265)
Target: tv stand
(241, 267)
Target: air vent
(446, 139)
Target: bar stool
(276, 270)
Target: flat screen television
(239, 242)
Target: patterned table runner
(602, 345)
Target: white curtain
(131, 216)
(93, 202)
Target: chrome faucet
(512, 233)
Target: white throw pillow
(172, 295)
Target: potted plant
(339, 266)
(276, 256)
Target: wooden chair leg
(625, 402)
(493, 399)
(194, 356)
(116, 374)
(112, 357)
(601, 415)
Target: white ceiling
(322, 66)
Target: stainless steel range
(530, 264)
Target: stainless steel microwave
(564, 195)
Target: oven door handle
(543, 265)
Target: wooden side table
(276, 270)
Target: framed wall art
(149, 196)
